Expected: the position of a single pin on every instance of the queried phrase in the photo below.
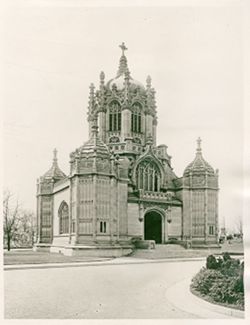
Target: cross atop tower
(123, 47)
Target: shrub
(226, 256)
(204, 280)
(211, 262)
(224, 291)
(222, 280)
(230, 267)
(239, 284)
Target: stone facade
(121, 185)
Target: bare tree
(10, 216)
(26, 229)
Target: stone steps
(169, 251)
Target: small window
(211, 230)
(103, 226)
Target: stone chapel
(121, 187)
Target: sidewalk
(99, 262)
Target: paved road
(104, 291)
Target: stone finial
(102, 77)
(198, 150)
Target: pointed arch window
(148, 176)
(115, 116)
(136, 118)
(63, 214)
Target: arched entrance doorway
(153, 226)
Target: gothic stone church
(121, 186)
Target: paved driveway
(103, 291)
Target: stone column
(94, 220)
(191, 207)
(102, 126)
(70, 209)
(77, 207)
(39, 219)
(165, 237)
(116, 210)
(112, 210)
(143, 224)
(52, 218)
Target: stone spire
(123, 64)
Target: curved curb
(180, 295)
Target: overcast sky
(194, 54)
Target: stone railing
(156, 195)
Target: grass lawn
(27, 256)
(236, 246)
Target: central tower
(125, 109)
